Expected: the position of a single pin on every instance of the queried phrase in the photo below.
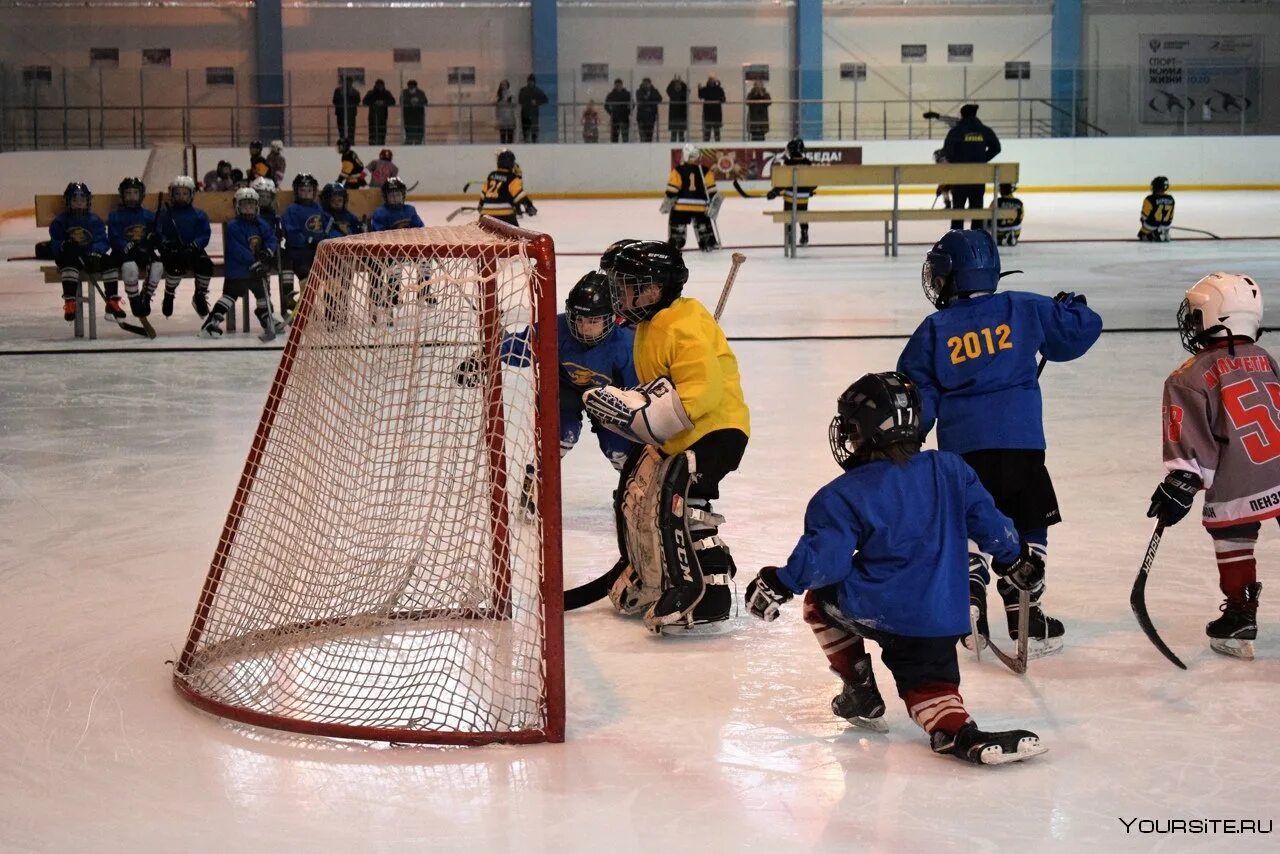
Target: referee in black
(970, 141)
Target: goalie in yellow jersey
(691, 419)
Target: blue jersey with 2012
(975, 363)
(894, 538)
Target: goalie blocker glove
(1172, 499)
(1025, 573)
(650, 414)
(766, 595)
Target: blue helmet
(962, 262)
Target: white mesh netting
(390, 564)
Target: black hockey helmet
(875, 413)
(333, 192)
(78, 191)
(964, 261)
(795, 148)
(611, 254)
(1160, 184)
(255, 147)
(588, 304)
(394, 185)
(305, 187)
(506, 159)
(344, 144)
(639, 267)
(224, 164)
(1008, 189)
(131, 191)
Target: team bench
(896, 176)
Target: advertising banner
(1195, 78)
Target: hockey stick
(1196, 230)
(146, 330)
(1018, 661)
(459, 212)
(744, 193)
(736, 259)
(1138, 598)
(466, 188)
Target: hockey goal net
(390, 566)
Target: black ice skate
(804, 235)
(1046, 632)
(674, 608)
(199, 301)
(1235, 631)
(166, 305)
(988, 748)
(212, 327)
(860, 702)
(979, 631)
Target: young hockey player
(183, 232)
(974, 362)
(1009, 232)
(503, 196)
(799, 200)
(382, 169)
(132, 231)
(692, 198)
(395, 212)
(80, 246)
(690, 414)
(305, 225)
(1157, 212)
(1222, 434)
(265, 187)
(351, 173)
(882, 557)
(250, 257)
(333, 199)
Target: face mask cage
(305, 193)
(395, 198)
(600, 325)
(131, 197)
(247, 208)
(935, 277)
(625, 290)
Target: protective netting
(390, 564)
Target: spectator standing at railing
(591, 123)
(711, 94)
(758, 102)
(413, 106)
(678, 112)
(531, 98)
(618, 105)
(647, 100)
(378, 100)
(505, 108)
(970, 141)
(346, 103)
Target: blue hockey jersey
(582, 366)
(184, 225)
(344, 223)
(85, 230)
(975, 364)
(130, 225)
(245, 240)
(895, 540)
(305, 225)
(388, 219)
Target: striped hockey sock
(937, 707)
(842, 647)
(1237, 567)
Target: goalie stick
(146, 330)
(744, 193)
(596, 589)
(1138, 599)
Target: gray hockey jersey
(1222, 422)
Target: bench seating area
(895, 176)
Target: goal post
(390, 567)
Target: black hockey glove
(529, 209)
(258, 270)
(266, 256)
(1173, 497)
(1025, 573)
(96, 261)
(766, 594)
(1069, 299)
(470, 372)
(932, 114)
(773, 193)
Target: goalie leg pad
(683, 584)
(634, 503)
(706, 234)
(677, 232)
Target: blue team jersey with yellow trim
(975, 364)
(245, 239)
(130, 225)
(582, 366)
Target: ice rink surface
(117, 468)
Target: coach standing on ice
(970, 141)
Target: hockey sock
(171, 284)
(111, 283)
(1237, 567)
(842, 647)
(70, 282)
(937, 707)
(222, 308)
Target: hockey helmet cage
(635, 269)
(131, 192)
(394, 185)
(182, 183)
(246, 203)
(795, 148)
(506, 159)
(588, 304)
(1160, 184)
(305, 187)
(77, 191)
(263, 186)
(332, 192)
(1220, 306)
(876, 412)
(964, 261)
(691, 153)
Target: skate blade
(1232, 647)
(697, 629)
(994, 755)
(1041, 647)
(874, 724)
(204, 333)
(967, 642)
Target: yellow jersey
(684, 343)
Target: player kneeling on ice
(974, 362)
(691, 419)
(80, 246)
(1222, 434)
(250, 257)
(883, 557)
(1157, 212)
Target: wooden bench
(896, 176)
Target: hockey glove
(1173, 497)
(1069, 299)
(258, 270)
(650, 414)
(1025, 573)
(766, 595)
(932, 114)
(470, 372)
(529, 209)
(668, 202)
(773, 193)
(96, 261)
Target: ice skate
(1046, 632)
(199, 301)
(978, 628)
(987, 748)
(69, 309)
(211, 328)
(1234, 632)
(115, 310)
(674, 609)
(860, 702)
(166, 305)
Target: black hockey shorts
(239, 288)
(141, 254)
(1019, 482)
(715, 455)
(186, 260)
(300, 262)
(74, 255)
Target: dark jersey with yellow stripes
(503, 191)
(1157, 209)
(801, 194)
(692, 187)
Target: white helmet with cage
(266, 190)
(692, 153)
(182, 190)
(1219, 306)
(246, 202)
